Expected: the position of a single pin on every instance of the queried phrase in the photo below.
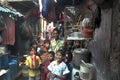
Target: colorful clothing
(56, 45)
(46, 69)
(33, 72)
(59, 70)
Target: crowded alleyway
(59, 39)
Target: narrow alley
(59, 39)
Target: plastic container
(86, 71)
(13, 67)
(75, 74)
(81, 54)
(4, 61)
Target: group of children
(50, 65)
(53, 69)
(51, 60)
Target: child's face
(34, 45)
(59, 56)
(47, 45)
(69, 45)
(32, 51)
(77, 43)
(55, 34)
(50, 57)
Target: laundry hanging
(46, 8)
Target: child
(69, 57)
(58, 69)
(51, 55)
(43, 56)
(44, 49)
(33, 63)
(77, 44)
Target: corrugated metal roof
(23, 6)
(6, 10)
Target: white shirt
(60, 69)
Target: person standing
(44, 55)
(58, 69)
(33, 63)
(68, 50)
(51, 56)
(56, 43)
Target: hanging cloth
(51, 14)
(46, 8)
(8, 34)
(2, 22)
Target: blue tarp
(46, 8)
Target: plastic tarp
(46, 8)
(6, 10)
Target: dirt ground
(21, 78)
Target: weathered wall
(100, 46)
(105, 46)
(115, 51)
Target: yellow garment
(33, 72)
(55, 45)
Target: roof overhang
(9, 12)
(23, 6)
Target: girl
(58, 69)
(51, 55)
(44, 50)
(33, 63)
(43, 56)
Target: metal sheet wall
(115, 51)
(101, 46)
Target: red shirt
(47, 37)
(46, 69)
